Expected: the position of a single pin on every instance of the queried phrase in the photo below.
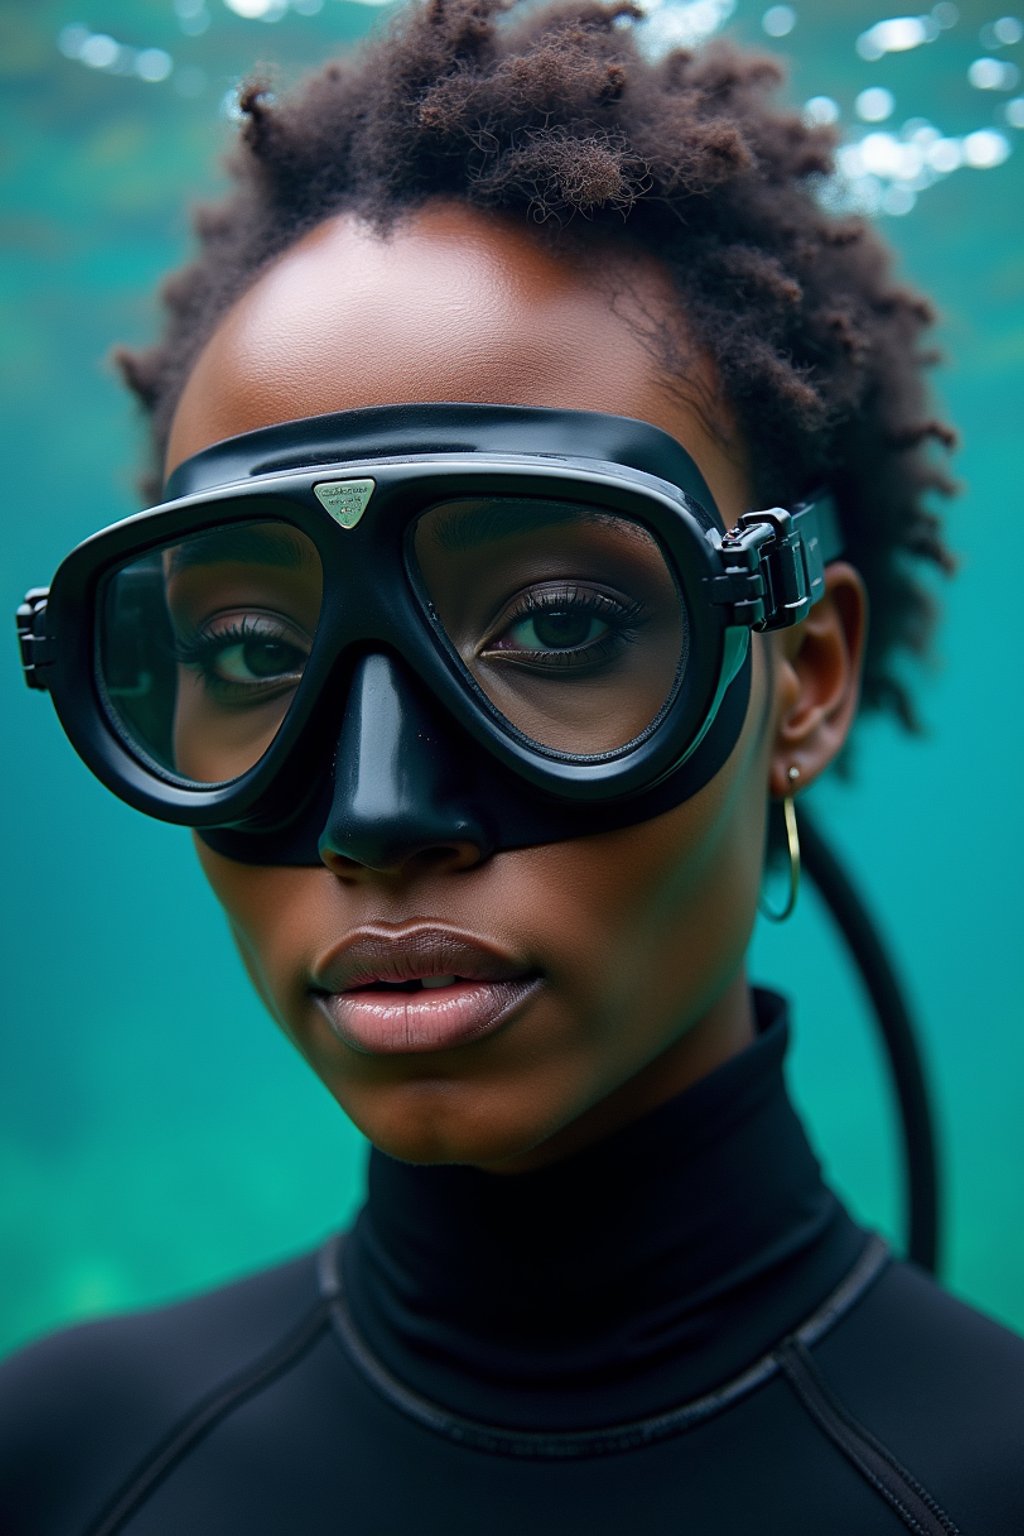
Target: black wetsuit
(677, 1331)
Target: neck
(629, 1275)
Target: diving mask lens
(202, 643)
(567, 617)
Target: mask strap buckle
(37, 650)
(775, 563)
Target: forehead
(453, 304)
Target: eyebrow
(461, 525)
(279, 546)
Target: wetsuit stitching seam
(846, 1443)
(205, 1415)
(852, 1438)
(498, 1440)
(871, 1262)
(844, 1415)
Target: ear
(817, 680)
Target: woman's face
(636, 936)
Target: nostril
(404, 862)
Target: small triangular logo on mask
(345, 500)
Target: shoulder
(931, 1343)
(940, 1387)
(81, 1408)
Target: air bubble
(993, 75)
(70, 40)
(99, 51)
(879, 153)
(897, 35)
(153, 64)
(986, 74)
(920, 131)
(1014, 112)
(898, 200)
(258, 10)
(944, 156)
(779, 20)
(671, 26)
(882, 154)
(821, 110)
(1008, 30)
(193, 17)
(875, 104)
(985, 149)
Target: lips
(422, 988)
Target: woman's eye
(249, 655)
(557, 629)
(257, 660)
(574, 627)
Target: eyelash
(624, 618)
(198, 648)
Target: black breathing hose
(904, 1056)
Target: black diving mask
(412, 626)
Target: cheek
(213, 745)
(663, 911)
(653, 920)
(271, 912)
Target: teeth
(437, 981)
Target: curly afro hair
(556, 116)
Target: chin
(440, 1122)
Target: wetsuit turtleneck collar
(629, 1277)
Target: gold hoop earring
(793, 845)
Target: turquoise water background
(156, 1135)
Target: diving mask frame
(763, 574)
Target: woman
(463, 651)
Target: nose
(407, 781)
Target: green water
(156, 1135)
